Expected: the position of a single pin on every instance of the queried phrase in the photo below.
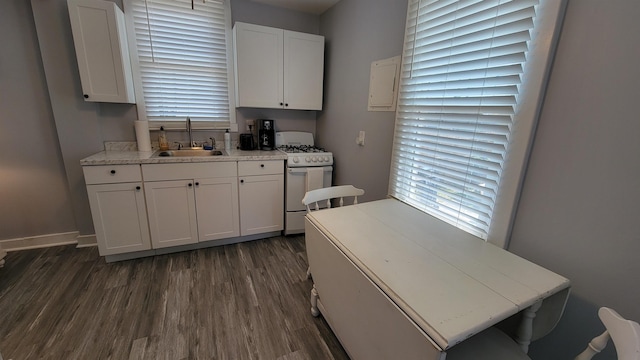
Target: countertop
(127, 156)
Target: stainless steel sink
(188, 153)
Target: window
(472, 78)
(183, 70)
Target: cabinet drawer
(269, 167)
(110, 174)
(162, 172)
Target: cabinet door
(99, 36)
(261, 204)
(217, 208)
(258, 56)
(119, 217)
(172, 212)
(303, 70)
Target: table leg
(525, 330)
(314, 302)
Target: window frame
(155, 124)
(544, 37)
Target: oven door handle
(303, 170)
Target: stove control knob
(326, 158)
(296, 160)
(308, 159)
(314, 159)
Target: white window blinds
(464, 76)
(183, 64)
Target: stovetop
(301, 149)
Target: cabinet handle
(137, 187)
(112, 172)
(242, 181)
(281, 104)
(190, 184)
(261, 165)
(197, 183)
(286, 104)
(86, 96)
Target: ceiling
(308, 6)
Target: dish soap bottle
(163, 144)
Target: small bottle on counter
(163, 144)
(227, 140)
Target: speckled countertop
(118, 154)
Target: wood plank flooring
(241, 301)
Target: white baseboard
(40, 241)
(87, 241)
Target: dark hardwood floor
(241, 301)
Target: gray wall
(34, 196)
(256, 13)
(579, 212)
(81, 126)
(357, 33)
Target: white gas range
(308, 168)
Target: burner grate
(301, 149)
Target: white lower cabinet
(116, 198)
(171, 206)
(154, 206)
(119, 217)
(217, 208)
(190, 203)
(261, 196)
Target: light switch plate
(360, 138)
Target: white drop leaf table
(393, 281)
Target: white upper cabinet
(303, 70)
(100, 40)
(278, 68)
(259, 70)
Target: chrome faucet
(189, 130)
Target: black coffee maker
(266, 135)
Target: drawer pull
(112, 172)
(190, 184)
(242, 181)
(261, 165)
(137, 187)
(197, 183)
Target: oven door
(297, 185)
